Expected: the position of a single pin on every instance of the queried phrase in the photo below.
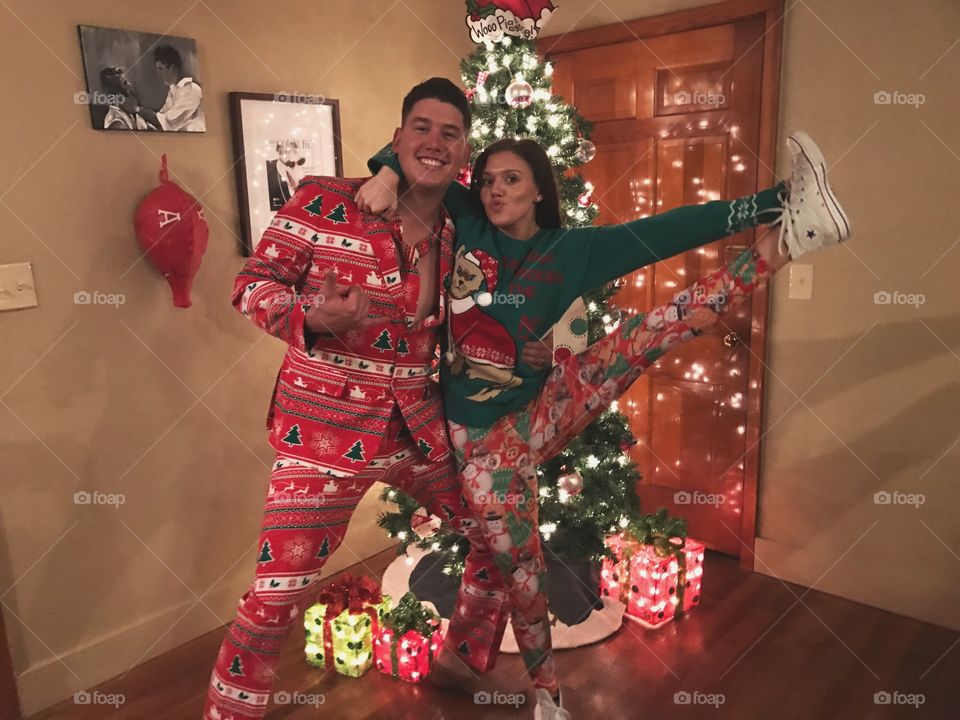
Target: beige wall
(166, 406)
(163, 405)
(862, 397)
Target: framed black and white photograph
(277, 140)
(141, 81)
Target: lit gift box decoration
(408, 640)
(653, 580)
(340, 628)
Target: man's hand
(378, 196)
(539, 353)
(336, 311)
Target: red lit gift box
(657, 582)
(408, 639)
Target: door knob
(731, 339)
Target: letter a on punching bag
(172, 232)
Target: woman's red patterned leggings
(499, 464)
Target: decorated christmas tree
(589, 489)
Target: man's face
(117, 84)
(168, 73)
(291, 163)
(431, 145)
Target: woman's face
(508, 193)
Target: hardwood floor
(750, 641)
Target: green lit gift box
(340, 628)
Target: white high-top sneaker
(547, 709)
(812, 216)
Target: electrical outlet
(17, 289)
(801, 282)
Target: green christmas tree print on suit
(313, 207)
(402, 348)
(355, 453)
(324, 548)
(265, 555)
(293, 436)
(338, 215)
(236, 667)
(383, 341)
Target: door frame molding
(9, 702)
(771, 11)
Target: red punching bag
(172, 232)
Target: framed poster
(277, 140)
(141, 81)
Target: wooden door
(680, 118)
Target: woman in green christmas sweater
(516, 271)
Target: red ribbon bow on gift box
(354, 593)
(360, 591)
(349, 592)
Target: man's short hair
(168, 55)
(438, 88)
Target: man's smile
(430, 162)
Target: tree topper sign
(490, 20)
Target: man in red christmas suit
(359, 301)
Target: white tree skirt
(599, 625)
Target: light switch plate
(801, 282)
(17, 289)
